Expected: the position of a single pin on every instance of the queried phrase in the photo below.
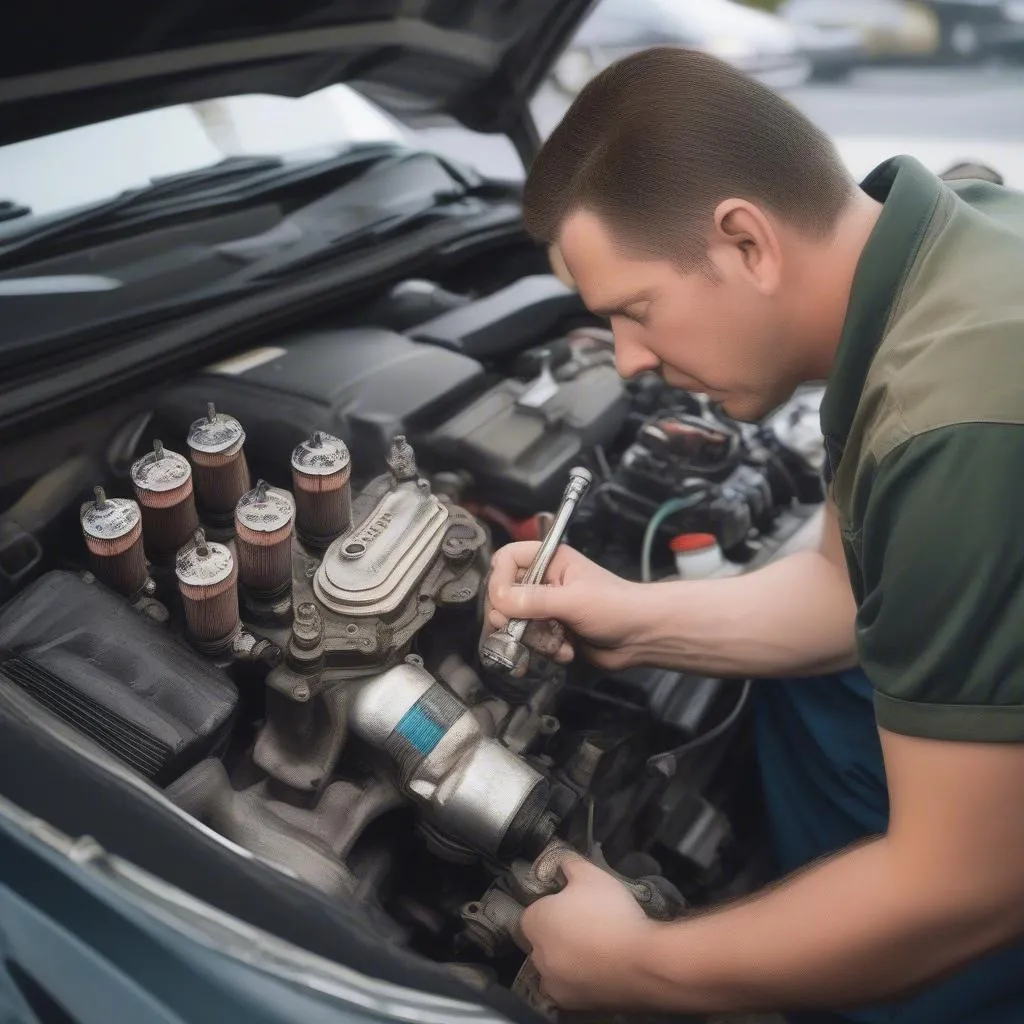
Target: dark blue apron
(824, 783)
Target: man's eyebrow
(619, 306)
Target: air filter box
(89, 658)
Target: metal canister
(208, 583)
(217, 449)
(112, 528)
(264, 518)
(162, 480)
(321, 472)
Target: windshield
(89, 164)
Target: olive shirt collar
(909, 193)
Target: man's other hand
(585, 940)
(599, 608)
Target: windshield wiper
(231, 180)
(10, 210)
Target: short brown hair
(655, 141)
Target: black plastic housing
(88, 657)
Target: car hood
(478, 62)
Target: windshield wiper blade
(229, 170)
(222, 181)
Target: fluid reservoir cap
(321, 455)
(202, 562)
(216, 433)
(109, 518)
(160, 470)
(265, 509)
(684, 543)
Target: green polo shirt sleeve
(941, 625)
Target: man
(719, 232)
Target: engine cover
(520, 438)
(363, 384)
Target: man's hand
(584, 940)
(599, 608)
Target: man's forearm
(794, 617)
(857, 929)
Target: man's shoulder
(953, 350)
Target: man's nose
(632, 357)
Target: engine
(273, 615)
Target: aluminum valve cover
(373, 568)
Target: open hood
(479, 62)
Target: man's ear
(748, 243)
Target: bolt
(101, 496)
(211, 412)
(301, 692)
(401, 459)
(308, 627)
(158, 449)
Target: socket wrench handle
(503, 648)
(579, 483)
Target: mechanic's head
(693, 207)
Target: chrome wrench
(503, 650)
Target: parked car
(971, 30)
(757, 43)
(947, 30)
(888, 29)
(275, 380)
(240, 296)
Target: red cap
(692, 542)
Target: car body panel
(63, 65)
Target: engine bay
(265, 599)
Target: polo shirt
(923, 420)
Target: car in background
(972, 30)
(887, 29)
(959, 31)
(759, 44)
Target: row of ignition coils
(245, 540)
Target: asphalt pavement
(943, 114)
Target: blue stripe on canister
(419, 730)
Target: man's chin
(743, 408)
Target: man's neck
(826, 273)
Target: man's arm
(792, 617)
(945, 884)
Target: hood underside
(478, 62)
